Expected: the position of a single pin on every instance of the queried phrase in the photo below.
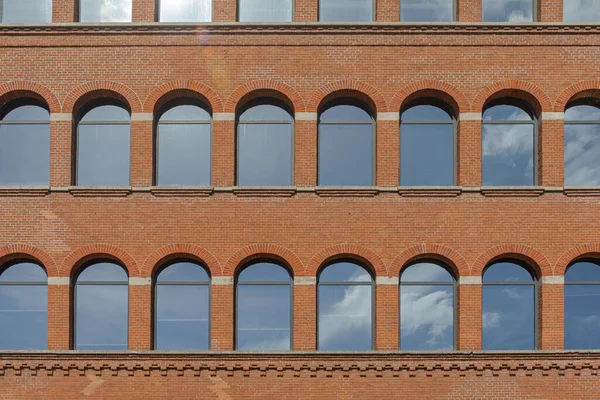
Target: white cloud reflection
(582, 155)
(432, 312)
(581, 10)
(507, 10)
(491, 319)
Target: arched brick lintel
(90, 252)
(263, 251)
(580, 90)
(264, 88)
(24, 89)
(448, 256)
(536, 260)
(99, 89)
(430, 88)
(525, 91)
(347, 88)
(345, 250)
(25, 251)
(182, 88)
(588, 250)
(176, 251)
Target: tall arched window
(346, 11)
(509, 307)
(182, 307)
(345, 307)
(509, 142)
(25, 144)
(427, 145)
(427, 307)
(508, 10)
(582, 143)
(23, 307)
(582, 301)
(103, 143)
(265, 10)
(264, 307)
(346, 144)
(265, 144)
(185, 11)
(105, 10)
(17, 12)
(427, 10)
(101, 307)
(183, 144)
(581, 11)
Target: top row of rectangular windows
(94, 11)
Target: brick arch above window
(448, 256)
(433, 89)
(580, 90)
(23, 89)
(89, 91)
(263, 251)
(347, 251)
(162, 94)
(526, 91)
(264, 88)
(180, 251)
(536, 260)
(82, 255)
(25, 251)
(588, 250)
(347, 88)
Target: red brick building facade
(305, 64)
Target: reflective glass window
(581, 10)
(427, 10)
(265, 10)
(185, 11)
(346, 10)
(582, 144)
(508, 10)
(26, 11)
(582, 301)
(105, 10)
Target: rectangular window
(265, 10)
(26, 11)
(105, 10)
(581, 10)
(185, 11)
(427, 10)
(508, 10)
(346, 10)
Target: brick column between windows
(387, 143)
(59, 315)
(550, 10)
(468, 10)
(223, 152)
(144, 10)
(305, 152)
(141, 151)
(388, 11)
(305, 306)
(64, 11)
(140, 314)
(225, 10)
(551, 308)
(469, 314)
(222, 314)
(306, 11)
(551, 150)
(61, 159)
(469, 151)
(386, 314)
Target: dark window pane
(582, 113)
(264, 154)
(24, 272)
(345, 113)
(346, 155)
(583, 271)
(425, 113)
(582, 317)
(582, 155)
(345, 318)
(581, 10)
(27, 114)
(185, 11)
(344, 272)
(264, 272)
(184, 154)
(263, 317)
(426, 317)
(427, 155)
(101, 317)
(508, 317)
(25, 154)
(183, 272)
(23, 317)
(345, 10)
(507, 10)
(265, 10)
(107, 113)
(426, 10)
(505, 112)
(182, 316)
(426, 272)
(185, 113)
(26, 11)
(266, 112)
(103, 155)
(103, 272)
(105, 11)
(506, 272)
(508, 156)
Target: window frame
(276, 103)
(237, 283)
(453, 284)
(372, 284)
(373, 12)
(79, 8)
(454, 15)
(576, 283)
(534, 15)
(586, 101)
(158, 5)
(237, 16)
(534, 282)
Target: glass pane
(265, 10)
(426, 10)
(264, 155)
(103, 272)
(182, 317)
(266, 112)
(101, 317)
(427, 155)
(344, 272)
(345, 10)
(583, 271)
(185, 113)
(105, 11)
(107, 114)
(26, 11)
(425, 113)
(183, 272)
(508, 158)
(582, 155)
(508, 317)
(263, 317)
(184, 154)
(506, 272)
(582, 113)
(581, 10)
(345, 318)
(185, 10)
(582, 317)
(27, 114)
(103, 155)
(24, 272)
(426, 317)
(264, 272)
(426, 272)
(345, 155)
(345, 113)
(24, 309)
(506, 113)
(25, 154)
(507, 10)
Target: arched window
(346, 11)
(345, 307)
(25, 144)
(582, 299)
(182, 307)
(581, 11)
(509, 307)
(346, 144)
(263, 307)
(101, 307)
(427, 145)
(427, 307)
(508, 10)
(509, 144)
(582, 143)
(23, 307)
(265, 144)
(265, 10)
(185, 11)
(183, 144)
(16, 12)
(105, 10)
(103, 143)
(427, 10)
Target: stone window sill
(512, 191)
(432, 191)
(346, 191)
(582, 191)
(264, 191)
(24, 191)
(182, 191)
(100, 191)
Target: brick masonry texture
(226, 65)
